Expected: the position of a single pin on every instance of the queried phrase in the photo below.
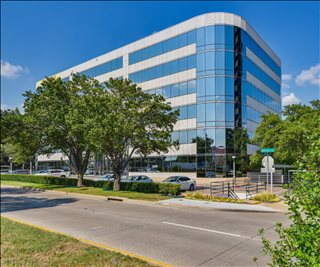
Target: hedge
(162, 188)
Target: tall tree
(58, 112)
(299, 243)
(291, 136)
(18, 139)
(130, 121)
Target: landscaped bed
(199, 196)
(24, 245)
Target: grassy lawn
(23, 245)
(90, 191)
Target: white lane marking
(201, 229)
(96, 227)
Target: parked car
(20, 172)
(110, 178)
(54, 172)
(139, 179)
(185, 182)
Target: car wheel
(191, 188)
(62, 176)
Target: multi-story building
(217, 70)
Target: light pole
(10, 160)
(234, 169)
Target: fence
(230, 190)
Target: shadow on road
(16, 202)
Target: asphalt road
(177, 236)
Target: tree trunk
(116, 183)
(80, 180)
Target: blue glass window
(220, 85)
(210, 35)
(183, 40)
(192, 135)
(183, 137)
(229, 60)
(220, 111)
(191, 37)
(201, 87)
(183, 88)
(220, 61)
(192, 87)
(192, 111)
(210, 62)
(229, 112)
(219, 34)
(201, 112)
(183, 64)
(229, 86)
(201, 62)
(210, 112)
(201, 36)
(210, 86)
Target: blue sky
(42, 38)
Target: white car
(185, 182)
(139, 179)
(54, 172)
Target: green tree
(18, 139)
(58, 112)
(291, 136)
(125, 120)
(241, 139)
(299, 243)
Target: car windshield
(132, 178)
(171, 179)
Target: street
(176, 236)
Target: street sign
(267, 150)
(265, 170)
(267, 163)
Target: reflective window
(201, 87)
(220, 86)
(220, 138)
(192, 111)
(210, 35)
(210, 62)
(183, 137)
(219, 34)
(229, 112)
(192, 135)
(220, 60)
(201, 112)
(201, 62)
(210, 112)
(229, 86)
(210, 86)
(220, 111)
(192, 87)
(201, 36)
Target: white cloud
(290, 99)
(286, 77)
(310, 76)
(11, 71)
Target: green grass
(23, 245)
(90, 191)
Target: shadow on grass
(16, 202)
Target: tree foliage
(58, 111)
(291, 136)
(18, 139)
(299, 243)
(125, 120)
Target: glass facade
(229, 92)
(221, 90)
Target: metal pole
(271, 182)
(267, 178)
(30, 171)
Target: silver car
(139, 179)
(54, 172)
(185, 182)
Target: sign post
(267, 163)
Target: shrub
(137, 187)
(169, 189)
(166, 189)
(266, 197)
(39, 179)
(198, 195)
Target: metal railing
(255, 189)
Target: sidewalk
(217, 205)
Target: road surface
(177, 236)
